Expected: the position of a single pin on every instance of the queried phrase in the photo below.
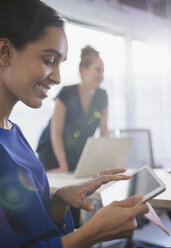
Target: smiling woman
(32, 46)
(36, 64)
(36, 67)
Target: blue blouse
(25, 217)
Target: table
(163, 200)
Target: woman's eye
(48, 62)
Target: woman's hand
(117, 220)
(113, 172)
(75, 195)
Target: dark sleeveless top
(77, 128)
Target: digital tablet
(143, 180)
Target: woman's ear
(5, 52)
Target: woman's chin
(34, 104)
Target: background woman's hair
(88, 56)
(23, 21)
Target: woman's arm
(103, 123)
(57, 125)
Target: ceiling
(161, 8)
(147, 20)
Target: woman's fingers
(92, 185)
(102, 179)
(130, 202)
(141, 209)
(88, 206)
(121, 177)
(110, 171)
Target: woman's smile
(44, 89)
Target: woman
(32, 46)
(79, 110)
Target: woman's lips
(44, 89)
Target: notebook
(100, 154)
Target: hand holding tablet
(143, 181)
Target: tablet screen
(141, 182)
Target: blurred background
(134, 41)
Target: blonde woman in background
(79, 110)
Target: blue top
(25, 217)
(78, 126)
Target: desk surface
(163, 200)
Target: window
(139, 90)
(112, 51)
(152, 94)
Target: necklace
(9, 126)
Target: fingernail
(91, 207)
(139, 195)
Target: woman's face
(93, 75)
(32, 71)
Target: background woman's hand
(75, 195)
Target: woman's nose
(54, 76)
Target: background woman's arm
(57, 125)
(103, 123)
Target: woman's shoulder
(67, 91)
(69, 88)
(101, 97)
(101, 92)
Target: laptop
(101, 154)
